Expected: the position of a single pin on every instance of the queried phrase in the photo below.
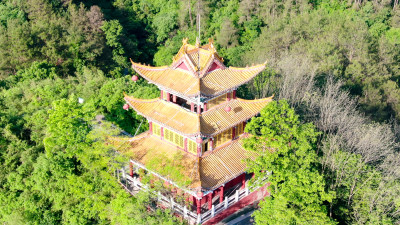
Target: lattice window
(192, 146)
(178, 139)
(223, 137)
(156, 129)
(173, 138)
(168, 135)
(239, 129)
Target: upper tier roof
(208, 124)
(197, 71)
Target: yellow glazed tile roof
(161, 157)
(217, 81)
(217, 120)
(209, 172)
(209, 123)
(200, 57)
(167, 114)
(224, 164)
(197, 79)
(170, 79)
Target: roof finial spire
(198, 22)
(198, 38)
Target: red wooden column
(185, 144)
(131, 169)
(228, 96)
(234, 94)
(198, 205)
(205, 107)
(244, 125)
(192, 107)
(243, 181)
(198, 150)
(168, 96)
(198, 201)
(198, 109)
(162, 132)
(151, 127)
(221, 194)
(174, 98)
(211, 144)
(162, 94)
(210, 196)
(233, 132)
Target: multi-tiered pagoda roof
(198, 122)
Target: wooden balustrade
(133, 185)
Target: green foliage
(113, 32)
(166, 18)
(285, 147)
(52, 51)
(361, 190)
(72, 182)
(393, 36)
(37, 71)
(169, 166)
(166, 52)
(110, 101)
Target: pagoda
(195, 126)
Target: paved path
(243, 217)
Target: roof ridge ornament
(212, 47)
(185, 41)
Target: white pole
(237, 195)
(212, 210)
(226, 202)
(198, 218)
(184, 212)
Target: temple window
(156, 129)
(223, 137)
(239, 129)
(173, 137)
(192, 147)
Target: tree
(227, 36)
(285, 147)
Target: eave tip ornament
(200, 194)
(135, 78)
(125, 107)
(228, 109)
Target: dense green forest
(333, 65)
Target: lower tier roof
(184, 169)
